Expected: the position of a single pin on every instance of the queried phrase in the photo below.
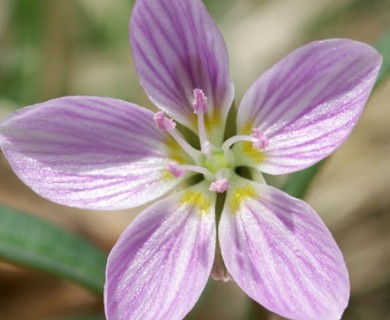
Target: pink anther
(200, 101)
(219, 185)
(261, 141)
(162, 122)
(175, 169)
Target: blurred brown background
(50, 48)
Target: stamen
(200, 108)
(175, 169)
(261, 141)
(178, 170)
(192, 152)
(202, 170)
(219, 185)
(200, 102)
(162, 122)
(165, 124)
(258, 139)
(232, 140)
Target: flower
(103, 153)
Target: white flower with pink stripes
(102, 153)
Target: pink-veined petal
(178, 48)
(88, 152)
(307, 104)
(281, 254)
(161, 263)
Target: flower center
(216, 164)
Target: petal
(161, 263)
(307, 104)
(88, 152)
(281, 254)
(177, 48)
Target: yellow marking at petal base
(212, 120)
(196, 200)
(166, 175)
(175, 152)
(241, 194)
(247, 130)
(193, 119)
(248, 148)
(252, 152)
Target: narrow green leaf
(31, 241)
(299, 182)
(383, 46)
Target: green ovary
(216, 162)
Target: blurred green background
(52, 48)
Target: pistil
(178, 170)
(200, 108)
